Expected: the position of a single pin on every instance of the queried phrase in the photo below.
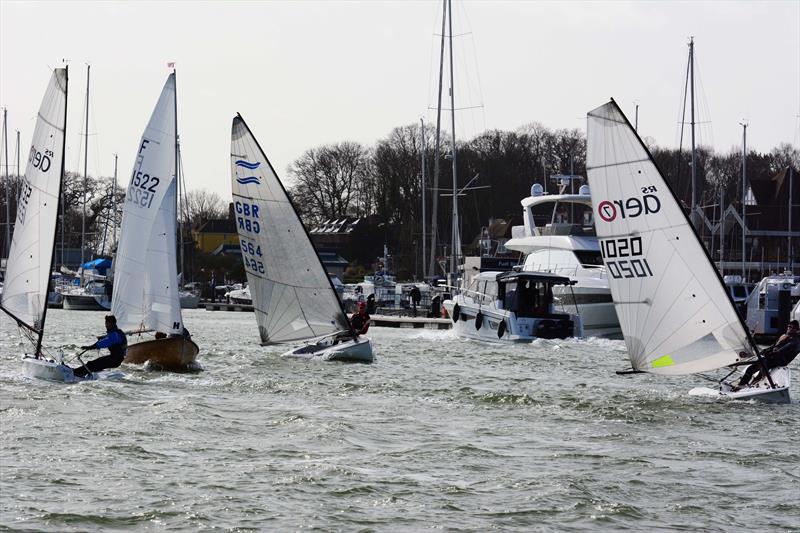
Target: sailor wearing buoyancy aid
(117, 345)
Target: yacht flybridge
(558, 237)
(512, 307)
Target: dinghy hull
(760, 390)
(351, 351)
(47, 370)
(172, 353)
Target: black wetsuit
(117, 345)
(782, 355)
(360, 323)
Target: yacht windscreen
(589, 258)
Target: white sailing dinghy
(146, 297)
(293, 296)
(674, 311)
(27, 281)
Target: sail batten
(27, 280)
(674, 312)
(292, 295)
(146, 293)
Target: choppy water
(437, 434)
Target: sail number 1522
(615, 250)
(142, 189)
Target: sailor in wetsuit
(783, 353)
(117, 345)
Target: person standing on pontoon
(117, 345)
(781, 354)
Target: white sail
(145, 268)
(28, 271)
(674, 312)
(292, 294)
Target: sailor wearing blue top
(117, 345)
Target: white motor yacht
(764, 303)
(512, 307)
(558, 237)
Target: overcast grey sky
(308, 73)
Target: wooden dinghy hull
(172, 353)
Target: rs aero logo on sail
(631, 207)
(249, 166)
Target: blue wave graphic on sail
(249, 179)
(247, 164)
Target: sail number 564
(614, 250)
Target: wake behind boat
(674, 311)
(293, 297)
(146, 293)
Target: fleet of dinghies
(674, 311)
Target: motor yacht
(558, 237)
(511, 307)
(773, 296)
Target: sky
(308, 73)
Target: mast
(456, 247)
(435, 189)
(7, 242)
(722, 234)
(423, 185)
(790, 248)
(114, 206)
(85, 171)
(177, 176)
(744, 192)
(695, 220)
(37, 353)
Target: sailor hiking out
(781, 354)
(117, 345)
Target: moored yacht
(558, 237)
(512, 307)
(772, 298)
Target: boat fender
(478, 320)
(455, 313)
(501, 329)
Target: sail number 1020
(615, 250)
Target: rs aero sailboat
(27, 281)
(146, 296)
(293, 296)
(674, 311)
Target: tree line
(385, 180)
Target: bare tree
(202, 205)
(328, 179)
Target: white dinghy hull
(760, 390)
(47, 370)
(61, 373)
(352, 351)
